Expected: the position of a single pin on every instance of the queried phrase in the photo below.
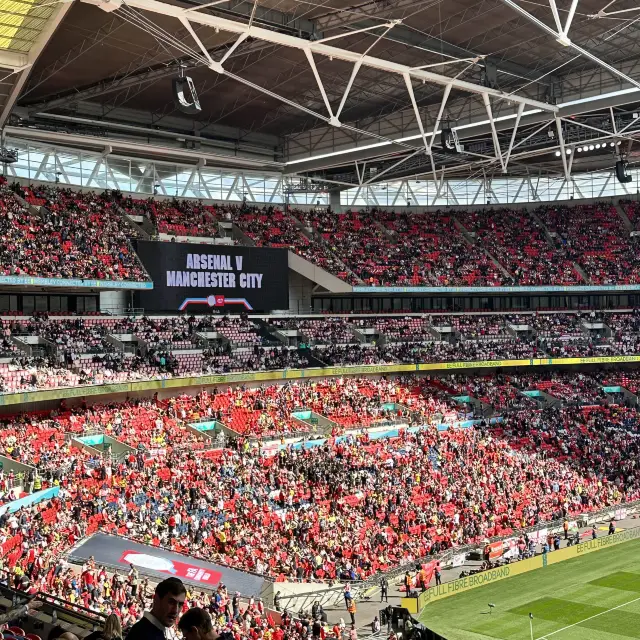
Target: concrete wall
(300, 289)
(9, 464)
(114, 301)
(27, 501)
(298, 595)
(97, 444)
(316, 274)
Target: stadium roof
(25, 27)
(344, 91)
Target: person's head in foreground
(196, 624)
(168, 600)
(112, 628)
(58, 633)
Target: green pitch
(596, 597)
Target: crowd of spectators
(518, 242)
(632, 209)
(602, 440)
(86, 235)
(623, 323)
(594, 236)
(324, 330)
(579, 389)
(409, 329)
(501, 392)
(342, 510)
(271, 227)
(435, 253)
(354, 240)
(102, 349)
(173, 216)
(72, 235)
(474, 327)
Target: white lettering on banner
(511, 548)
(620, 514)
(458, 560)
(539, 536)
(208, 271)
(210, 262)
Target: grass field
(596, 597)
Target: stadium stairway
(317, 238)
(143, 225)
(472, 239)
(313, 361)
(622, 213)
(553, 241)
(387, 232)
(545, 400)
(547, 234)
(582, 273)
(242, 238)
(266, 334)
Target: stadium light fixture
(579, 149)
(568, 152)
(591, 147)
(557, 154)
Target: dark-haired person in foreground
(196, 624)
(167, 604)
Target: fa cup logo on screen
(215, 301)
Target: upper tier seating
(554, 245)
(594, 236)
(175, 217)
(71, 235)
(520, 245)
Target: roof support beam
(45, 35)
(376, 178)
(564, 40)
(318, 48)
(412, 97)
(494, 133)
(513, 135)
(354, 73)
(556, 15)
(455, 53)
(312, 63)
(443, 104)
(13, 60)
(572, 12)
(597, 129)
